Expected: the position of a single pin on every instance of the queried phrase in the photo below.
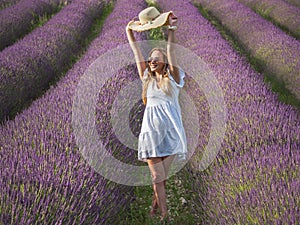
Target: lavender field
(45, 179)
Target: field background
(251, 46)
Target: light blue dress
(162, 131)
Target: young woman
(162, 136)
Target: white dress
(162, 131)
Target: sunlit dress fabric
(162, 132)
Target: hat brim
(161, 20)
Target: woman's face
(156, 61)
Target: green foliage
(5, 4)
(152, 3)
(40, 20)
(264, 10)
(180, 212)
(156, 34)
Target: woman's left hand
(172, 19)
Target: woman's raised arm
(139, 59)
(170, 48)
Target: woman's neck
(158, 73)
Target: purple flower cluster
(255, 177)
(279, 53)
(279, 11)
(293, 2)
(17, 20)
(43, 177)
(6, 3)
(29, 65)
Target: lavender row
(255, 177)
(29, 65)
(293, 2)
(278, 53)
(279, 11)
(7, 3)
(44, 178)
(17, 20)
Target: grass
(6, 4)
(40, 20)
(179, 202)
(37, 21)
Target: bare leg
(158, 176)
(159, 168)
(167, 161)
(154, 205)
(161, 198)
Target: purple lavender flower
(279, 53)
(254, 179)
(293, 2)
(7, 3)
(29, 65)
(44, 178)
(279, 11)
(17, 19)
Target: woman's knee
(167, 162)
(157, 170)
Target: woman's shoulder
(181, 76)
(145, 75)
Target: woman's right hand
(129, 32)
(128, 25)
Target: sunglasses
(154, 59)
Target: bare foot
(154, 206)
(152, 212)
(165, 219)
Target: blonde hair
(165, 82)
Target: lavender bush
(278, 53)
(293, 2)
(17, 20)
(279, 11)
(255, 178)
(7, 3)
(44, 179)
(28, 66)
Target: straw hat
(150, 18)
